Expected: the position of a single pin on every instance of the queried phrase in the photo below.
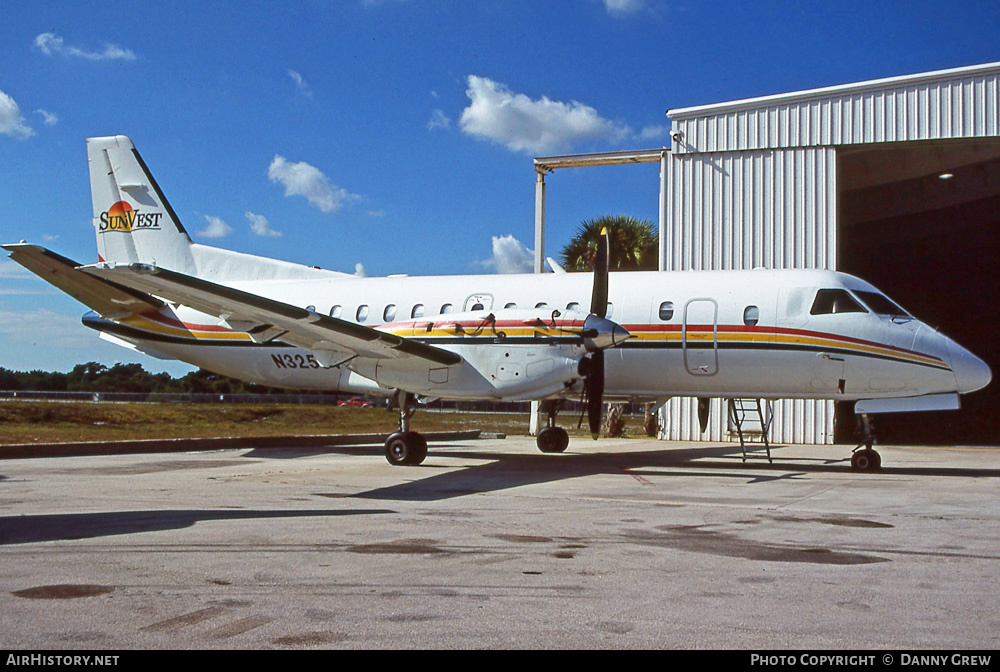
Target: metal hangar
(894, 180)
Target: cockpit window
(881, 304)
(834, 301)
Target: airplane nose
(971, 373)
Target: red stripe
(778, 331)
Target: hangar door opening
(921, 221)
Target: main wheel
(552, 440)
(405, 448)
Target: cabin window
(336, 311)
(447, 308)
(418, 311)
(541, 304)
(478, 306)
(510, 305)
(389, 314)
(666, 310)
(835, 301)
(881, 304)
(572, 305)
(362, 314)
(751, 315)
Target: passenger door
(700, 337)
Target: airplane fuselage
(765, 333)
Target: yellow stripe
(145, 324)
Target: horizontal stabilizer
(110, 300)
(258, 315)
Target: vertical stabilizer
(132, 218)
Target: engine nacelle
(507, 354)
(511, 373)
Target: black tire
(552, 440)
(866, 460)
(405, 448)
(419, 449)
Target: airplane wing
(108, 299)
(269, 320)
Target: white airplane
(768, 334)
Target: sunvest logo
(122, 217)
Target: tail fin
(132, 218)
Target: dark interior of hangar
(921, 221)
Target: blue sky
(397, 135)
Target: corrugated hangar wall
(754, 184)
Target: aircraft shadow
(506, 471)
(71, 526)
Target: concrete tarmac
(491, 544)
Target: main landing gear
(405, 447)
(552, 439)
(863, 458)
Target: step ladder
(738, 411)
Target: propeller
(594, 382)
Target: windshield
(881, 304)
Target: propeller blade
(703, 406)
(599, 297)
(595, 393)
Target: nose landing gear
(864, 458)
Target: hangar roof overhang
(955, 103)
(832, 91)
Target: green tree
(633, 244)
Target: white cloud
(510, 256)
(654, 132)
(48, 118)
(438, 120)
(303, 179)
(623, 7)
(216, 228)
(300, 84)
(360, 270)
(50, 44)
(11, 121)
(532, 126)
(45, 327)
(14, 270)
(260, 226)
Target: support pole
(533, 426)
(664, 158)
(539, 221)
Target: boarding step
(750, 420)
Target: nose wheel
(864, 458)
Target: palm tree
(633, 244)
